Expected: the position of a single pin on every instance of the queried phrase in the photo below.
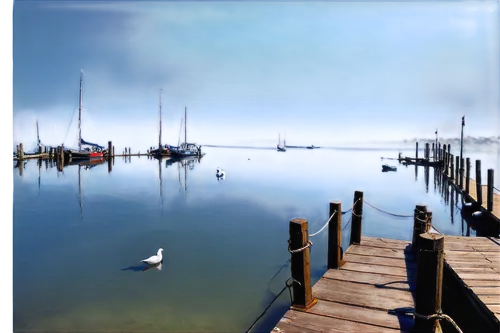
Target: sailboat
(161, 151)
(280, 147)
(186, 149)
(95, 150)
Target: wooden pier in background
(388, 285)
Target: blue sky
(323, 73)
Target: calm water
(79, 234)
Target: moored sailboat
(161, 151)
(94, 150)
(186, 149)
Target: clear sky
(322, 73)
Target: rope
(282, 266)
(287, 285)
(350, 219)
(440, 315)
(350, 208)
(386, 212)
(320, 230)
(309, 244)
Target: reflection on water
(222, 240)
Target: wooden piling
(444, 159)
(416, 150)
(300, 264)
(457, 167)
(110, 148)
(461, 182)
(429, 286)
(113, 151)
(129, 151)
(440, 153)
(479, 190)
(62, 157)
(467, 175)
(452, 167)
(335, 255)
(427, 152)
(489, 202)
(433, 152)
(21, 151)
(357, 217)
(420, 225)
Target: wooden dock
(432, 283)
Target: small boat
(311, 147)
(280, 147)
(386, 168)
(185, 149)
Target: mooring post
(113, 151)
(357, 217)
(21, 151)
(427, 151)
(335, 236)
(462, 173)
(429, 284)
(452, 167)
(110, 148)
(444, 159)
(490, 190)
(440, 153)
(467, 175)
(62, 157)
(457, 167)
(479, 189)
(416, 150)
(129, 151)
(300, 264)
(420, 225)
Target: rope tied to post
(386, 212)
(440, 315)
(309, 244)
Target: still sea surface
(79, 235)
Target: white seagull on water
(153, 260)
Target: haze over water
(78, 241)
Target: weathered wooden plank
(456, 246)
(486, 290)
(384, 243)
(480, 270)
(474, 276)
(393, 262)
(358, 314)
(462, 239)
(489, 299)
(307, 322)
(362, 294)
(473, 263)
(378, 269)
(374, 251)
(368, 278)
(495, 308)
(483, 283)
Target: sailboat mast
(37, 133)
(180, 131)
(159, 141)
(80, 114)
(185, 125)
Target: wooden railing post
(489, 199)
(429, 284)
(335, 255)
(452, 167)
(467, 175)
(357, 218)
(479, 189)
(462, 173)
(444, 160)
(300, 264)
(420, 225)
